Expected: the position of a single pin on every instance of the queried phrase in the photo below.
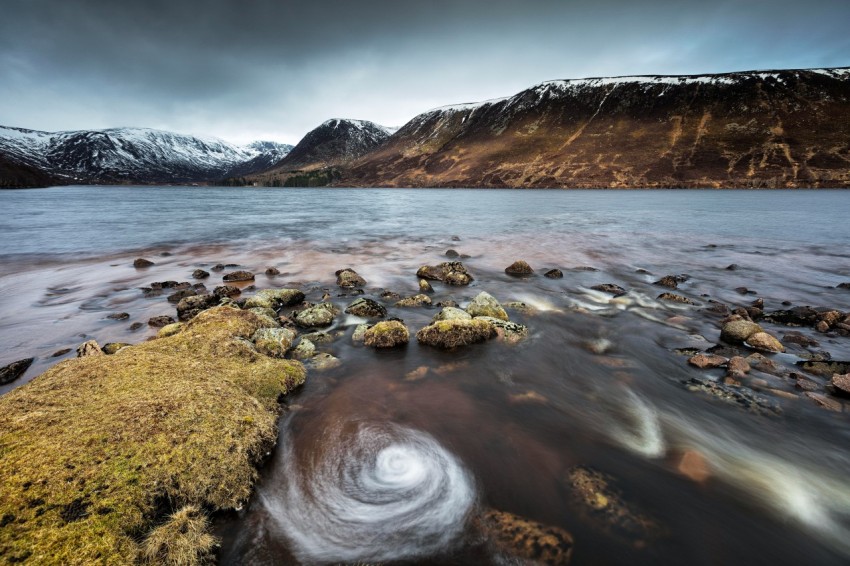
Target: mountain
(333, 144)
(133, 155)
(746, 129)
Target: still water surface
(392, 455)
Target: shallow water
(391, 456)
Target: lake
(391, 456)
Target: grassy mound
(100, 453)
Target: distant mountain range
(764, 129)
(126, 155)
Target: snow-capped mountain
(135, 155)
(785, 128)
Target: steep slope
(14, 175)
(134, 155)
(748, 129)
(334, 143)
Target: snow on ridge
(359, 124)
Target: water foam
(377, 492)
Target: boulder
(200, 274)
(484, 304)
(366, 308)
(452, 313)
(189, 307)
(450, 272)
(275, 298)
(387, 334)
(239, 276)
(322, 314)
(112, 347)
(13, 371)
(414, 301)
(142, 262)
(348, 279)
(738, 331)
(765, 342)
(274, 342)
(554, 274)
(89, 348)
(519, 267)
(447, 334)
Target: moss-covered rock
(348, 279)
(170, 330)
(112, 347)
(451, 272)
(387, 334)
(448, 334)
(275, 298)
(452, 313)
(274, 342)
(305, 350)
(319, 315)
(414, 301)
(97, 448)
(266, 315)
(485, 304)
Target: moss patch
(96, 451)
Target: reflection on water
(392, 455)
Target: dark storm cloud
(258, 68)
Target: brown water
(390, 456)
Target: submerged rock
(519, 267)
(366, 308)
(142, 262)
(274, 342)
(611, 288)
(525, 540)
(741, 396)
(450, 272)
(554, 274)
(348, 279)
(447, 334)
(484, 304)
(452, 253)
(13, 371)
(275, 298)
(414, 301)
(319, 315)
(387, 334)
(239, 276)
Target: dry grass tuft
(183, 540)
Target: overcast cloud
(260, 69)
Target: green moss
(95, 445)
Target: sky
(245, 70)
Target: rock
(732, 267)
(599, 346)
(267, 316)
(675, 298)
(823, 401)
(669, 281)
(822, 327)
(390, 296)
(348, 279)
(227, 291)
(845, 285)
(170, 330)
(118, 316)
(737, 364)
(521, 541)
(323, 362)
(510, 332)
(112, 347)
(764, 364)
(304, 351)
(13, 371)
(319, 337)
(765, 342)
(738, 331)
(611, 288)
(160, 321)
(452, 253)
(452, 313)
(484, 304)
(272, 271)
(841, 384)
(554, 274)
(425, 287)
(447, 303)
(239, 276)
(585, 268)
(89, 348)
(178, 296)
(602, 504)
(322, 314)
(519, 267)
(359, 334)
(743, 397)
(189, 307)
(366, 308)
(274, 342)
(136, 326)
(142, 262)
(55, 354)
(694, 466)
(414, 301)
(200, 274)
(275, 298)
(387, 334)
(447, 334)
(707, 361)
(450, 272)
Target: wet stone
(707, 361)
(272, 271)
(118, 316)
(142, 263)
(554, 274)
(178, 296)
(160, 321)
(239, 276)
(348, 279)
(387, 334)
(55, 354)
(673, 297)
(519, 267)
(450, 272)
(200, 274)
(841, 384)
(366, 308)
(414, 301)
(15, 370)
(227, 291)
(610, 288)
(741, 396)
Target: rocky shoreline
(121, 454)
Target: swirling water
(391, 456)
